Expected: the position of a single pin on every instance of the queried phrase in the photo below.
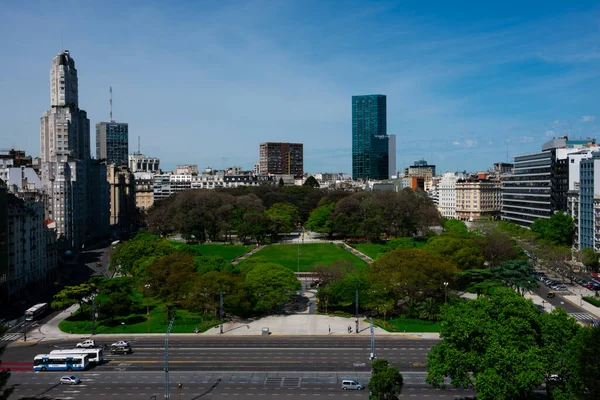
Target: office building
(141, 163)
(279, 158)
(112, 142)
(65, 163)
(392, 156)
(539, 183)
(370, 142)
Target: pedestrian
(330, 329)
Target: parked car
(560, 287)
(120, 343)
(69, 380)
(121, 350)
(86, 343)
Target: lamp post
(93, 314)
(445, 292)
(298, 251)
(221, 311)
(147, 286)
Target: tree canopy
(386, 382)
(500, 345)
(270, 286)
(558, 229)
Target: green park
(415, 283)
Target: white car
(70, 380)
(86, 343)
(120, 343)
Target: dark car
(121, 350)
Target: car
(560, 287)
(69, 380)
(351, 384)
(120, 343)
(551, 295)
(121, 350)
(86, 343)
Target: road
(253, 354)
(230, 367)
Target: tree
(497, 247)
(281, 183)
(312, 182)
(459, 250)
(558, 229)
(386, 382)
(116, 304)
(412, 273)
(589, 258)
(284, 217)
(71, 295)
(270, 286)
(400, 243)
(170, 276)
(143, 245)
(5, 392)
(517, 274)
(479, 281)
(583, 359)
(496, 344)
(320, 219)
(430, 309)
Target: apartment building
(477, 199)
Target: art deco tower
(65, 154)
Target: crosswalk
(583, 317)
(9, 337)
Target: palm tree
(429, 309)
(411, 308)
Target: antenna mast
(111, 119)
(139, 145)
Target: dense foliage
(386, 382)
(504, 347)
(262, 213)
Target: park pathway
(248, 254)
(358, 254)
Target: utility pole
(93, 315)
(111, 120)
(372, 357)
(167, 394)
(25, 330)
(356, 314)
(221, 310)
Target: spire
(111, 119)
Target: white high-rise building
(65, 154)
(392, 155)
(447, 194)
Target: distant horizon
(466, 84)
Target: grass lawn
(369, 249)
(185, 321)
(402, 324)
(374, 250)
(227, 252)
(311, 255)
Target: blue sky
(205, 82)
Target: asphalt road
(143, 385)
(253, 354)
(558, 301)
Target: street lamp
(445, 292)
(147, 286)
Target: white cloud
(556, 123)
(456, 143)
(588, 118)
(550, 133)
(470, 143)
(526, 139)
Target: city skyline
(463, 91)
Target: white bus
(36, 311)
(61, 362)
(95, 355)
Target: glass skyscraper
(370, 152)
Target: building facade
(477, 199)
(112, 142)
(446, 190)
(144, 190)
(141, 163)
(122, 198)
(392, 156)
(280, 158)
(370, 142)
(539, 183)
(65, 156)
(589, 197)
